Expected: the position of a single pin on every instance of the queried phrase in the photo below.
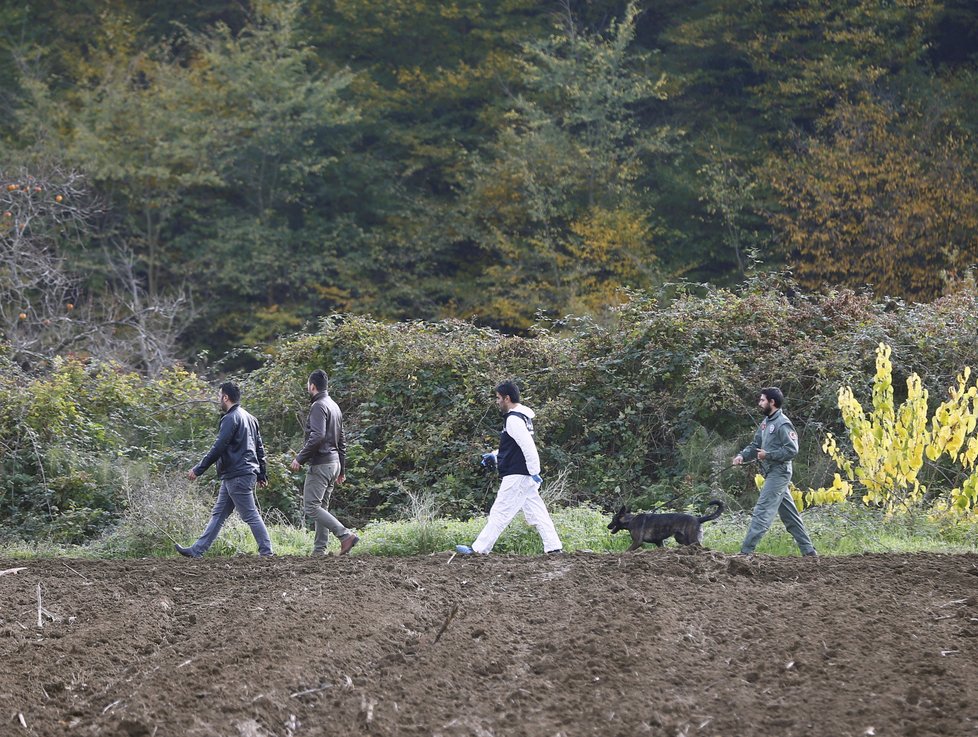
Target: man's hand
(263, 483)
(191, 475)
(738, 460)
(761, 455)
(341, 478)
(536, 477)
(488, 460)
(295, 465)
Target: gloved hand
(488, 460)
(536, 477)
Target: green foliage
(798, 59)
(225, 167)
(554, 206)
(853, 531)
(647, 406)
(414, 160)
(72, 436)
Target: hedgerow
(646, 404)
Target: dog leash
(718, 474)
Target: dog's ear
(626, 510)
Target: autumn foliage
(879, 198)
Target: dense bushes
(71, 436)
(648, 404)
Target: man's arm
(341, 450)
(317, 433)
(260, 452)
(224, 434)
(517, 431)
(750, 452)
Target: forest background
(188, 189)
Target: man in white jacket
(519, 467)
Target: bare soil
(660, 642)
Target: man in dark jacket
(240, 458)
(325, 452)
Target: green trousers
(776, 499)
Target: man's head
(318, 381)
(507, 396)
(229, 394)
(770, 400)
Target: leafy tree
(882, 198)
(756, 76)
(221, 166)
(729, 192)
(277, 127)
(798, 59)
(553, 204)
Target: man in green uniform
(775, 444)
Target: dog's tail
(712, 515)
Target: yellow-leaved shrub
(890, 444)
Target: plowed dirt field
(660, 642)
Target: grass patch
(182, 511)
(847, 530)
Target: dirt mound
(660, 642)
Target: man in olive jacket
(240, 457)
(775, 444)
(325, 451)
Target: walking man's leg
(537, 515)
(316, 493)
(508, 502)
(794, 524)
(223, 507)
(242, 491)
(774, 488)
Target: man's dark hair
(509, 389)
(231, 391)
(773, 394)
(319, 379)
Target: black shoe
(185, 551)
(558, 551)
(810, 554)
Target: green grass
(847, 530)
(844, 530)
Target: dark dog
(656, 528)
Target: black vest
(510, 459)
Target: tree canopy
(262, 164)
